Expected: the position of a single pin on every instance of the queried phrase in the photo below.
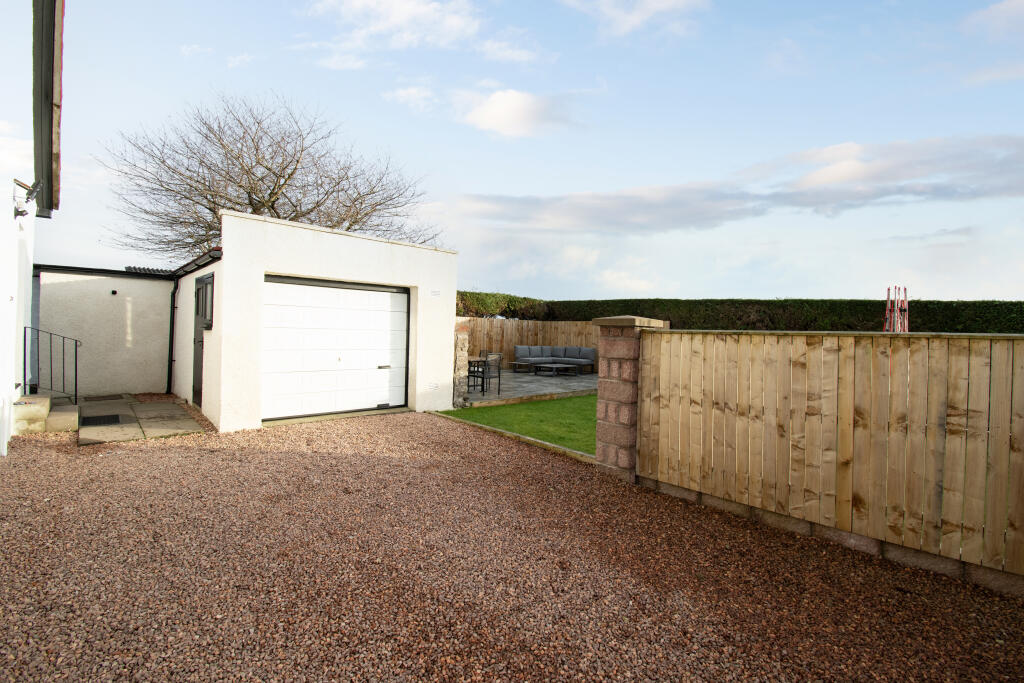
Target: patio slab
(519, 386)
(135, 421)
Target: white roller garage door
(332, 347)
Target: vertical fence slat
(846, 406)
(671, 347)
(731, 388)
(682, 352)
(782, 448)
(1015, 480)
(798, 424)
(742, 417)
(695, 409)
(997, 467)
(644, 417)
(879, 434)
(917, 420)
(718, 424)
(977, 450)
(771, 420)
(896, 450)
(756, 415)
(829, 427)
(812, 429)
(706, 473)
(956, 447)
(935, 443)
(862, 435)
(664, 470)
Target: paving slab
(158, 427)
(136, 421)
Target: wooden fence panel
(503, 334)
(1015, 480)
(911, 439)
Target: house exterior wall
(184, 324)
(255, 246)
(124, 336)
(17, 240)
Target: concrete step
(62, 418)
(30, 414)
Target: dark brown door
(203, 322)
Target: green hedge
(862, 315)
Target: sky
(575, 149)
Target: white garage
(332, 347)
(291, 320)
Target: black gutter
(190, 267)
(105, 272)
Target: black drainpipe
(170, 342)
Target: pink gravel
(408, 546)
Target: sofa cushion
(522, 352)
(576, 361)
(535, 352)
(558, 351)
(546, 351)
(542, 359)
(572, 352)
(588, 353)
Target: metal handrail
(37, 334)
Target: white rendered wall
(17, 236)
(124, 336)
(184, 326)
(255, 246)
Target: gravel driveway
(409, 546)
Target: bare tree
(257, 157)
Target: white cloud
(7, 128)
(513, 113)
(828, 181)
(193, 49)
(418, 97)
(503, 51)
(1010, 72)
(402, 23)
(341, 62)
(625, 281)
(239, 60)
(1000, 19)
(624, 16)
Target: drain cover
(98, 420)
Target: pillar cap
(631, 321)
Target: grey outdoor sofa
(580, 356)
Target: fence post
(618, 368)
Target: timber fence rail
(503, 334)
(912, 439)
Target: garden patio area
(412, 546)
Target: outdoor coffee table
(555, 369)
(523, 365)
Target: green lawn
(569, 422)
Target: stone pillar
(461, 370)
(618, 368)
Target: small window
(204, 301)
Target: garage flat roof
(341, 233)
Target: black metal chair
(491, 369)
